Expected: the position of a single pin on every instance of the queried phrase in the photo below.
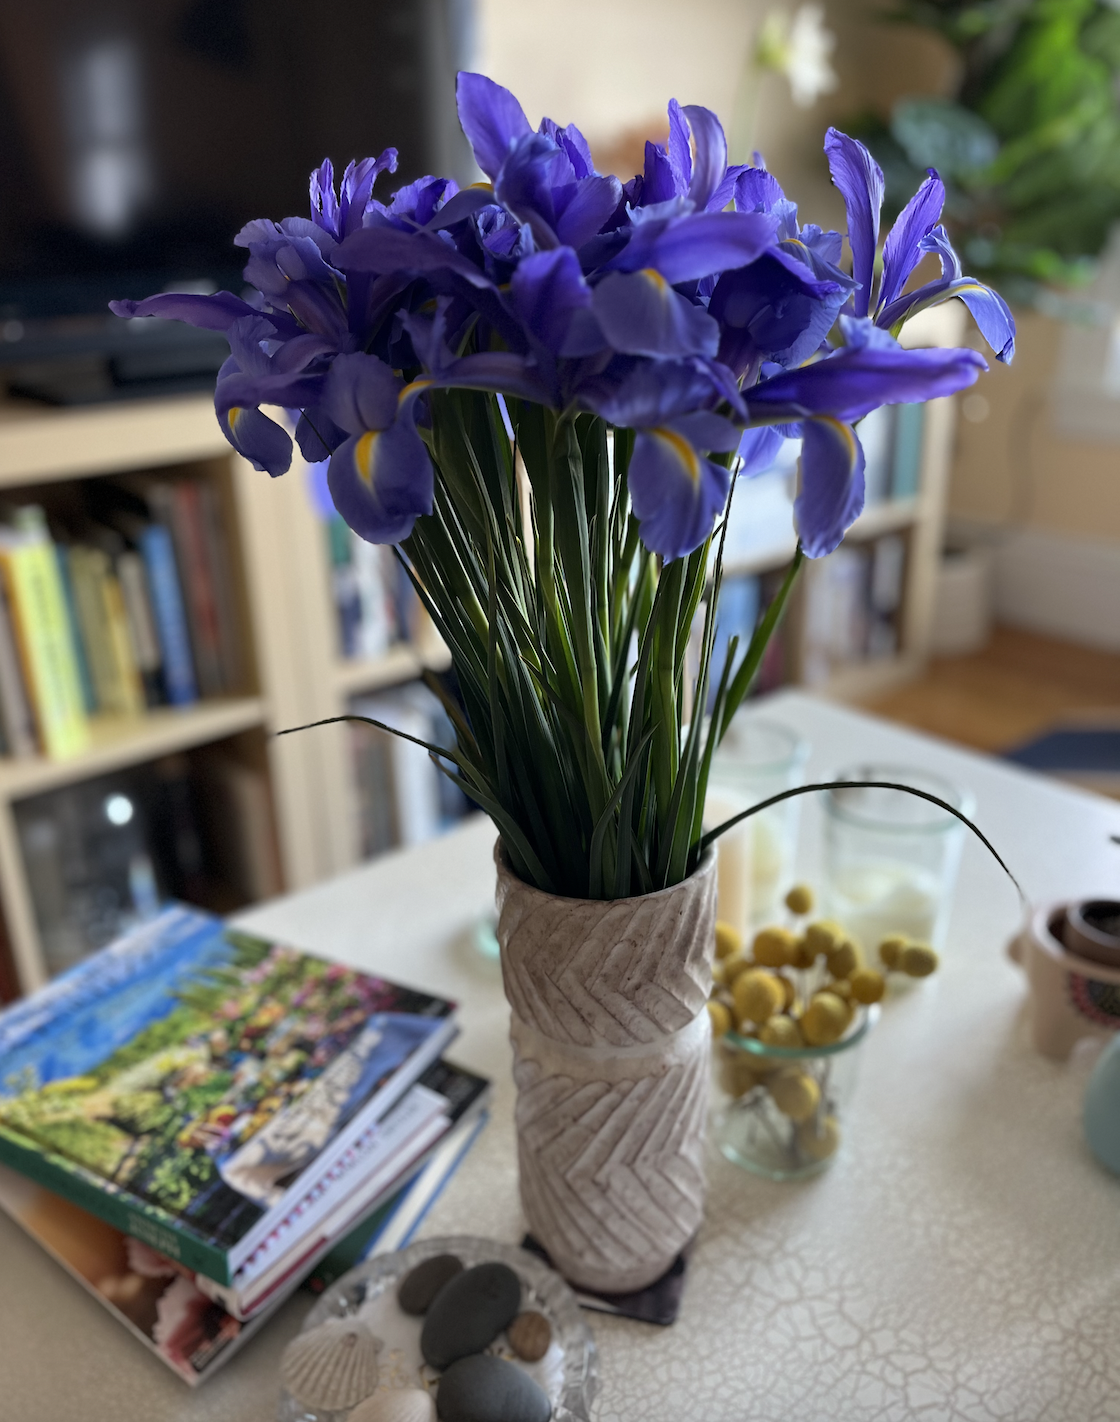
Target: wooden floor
(1019, 686)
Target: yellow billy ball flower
(729, 941)
(803, 954)
(918, 960)
(721, 1018)
(819, 1139)
(890, 949)
(844, 959)
(735, 1074)
(823, 937)
(800, 900)
(734, 967)
(868, 986)
(758, 995)
(825, 1020)
(781, 1031)
(774, 947)
(794, 1093)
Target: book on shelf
(16, 718)
(403, 796)
(169, 614)
(852, 604)
(190, 1085)
(194, 1326)
(43, 634)
(376, 605)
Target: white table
(961, 1260)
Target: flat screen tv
(137, 136)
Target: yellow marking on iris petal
(845, 432)
(683, 450)
(488, 186)
(653, 276)
(422, 382)
(365, 455)
(233, 414)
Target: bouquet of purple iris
(542, 389)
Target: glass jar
(891, 859)
(785, 1108)
(756, 759)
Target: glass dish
(569, 1372)
(890, 859)
(756, 1129)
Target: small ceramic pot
(1072, 996)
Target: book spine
(170, 616)
(85, 577)
(46, 646)
(217, 554)
(89, 697)
(144, 1222)
(130, 689)
(15, 708)
(141, 624)
(189, 537)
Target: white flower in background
(800, 50)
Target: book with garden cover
(187, 1082)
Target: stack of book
(114, 609)
(853, 599)
(194, 1119)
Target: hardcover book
(186, 1084)
(183, 1317)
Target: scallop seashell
(332, 1366)
(404, 1404)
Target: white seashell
(402, 1404)
(332, 1366)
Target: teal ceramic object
(1102, 1108)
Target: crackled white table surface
(961, 1260)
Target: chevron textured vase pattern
(611, 1061)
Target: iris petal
(709, 149)
(491, 118)
(256, 438)
(694, 246)
(641, 314)
(860, 181)
(676, 492)
(382, 481)
(903, 250)
(832, 489)
(360, 393)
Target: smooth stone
(420, 1285)
(488, 1389)
(469, 1312)
(529, 1336)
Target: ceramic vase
(611, 1042)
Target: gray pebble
(469, 1312)
(420, 1285)
(488, 1389)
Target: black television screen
(137, 136)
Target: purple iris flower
(916, 231)
(339, 215)
(381, 477)
(252, 377)
(676, 491)
(822, 400)
(689, 306)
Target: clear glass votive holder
(757, 759)
(891, 859)
(785, 1108)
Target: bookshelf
(293, 674)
